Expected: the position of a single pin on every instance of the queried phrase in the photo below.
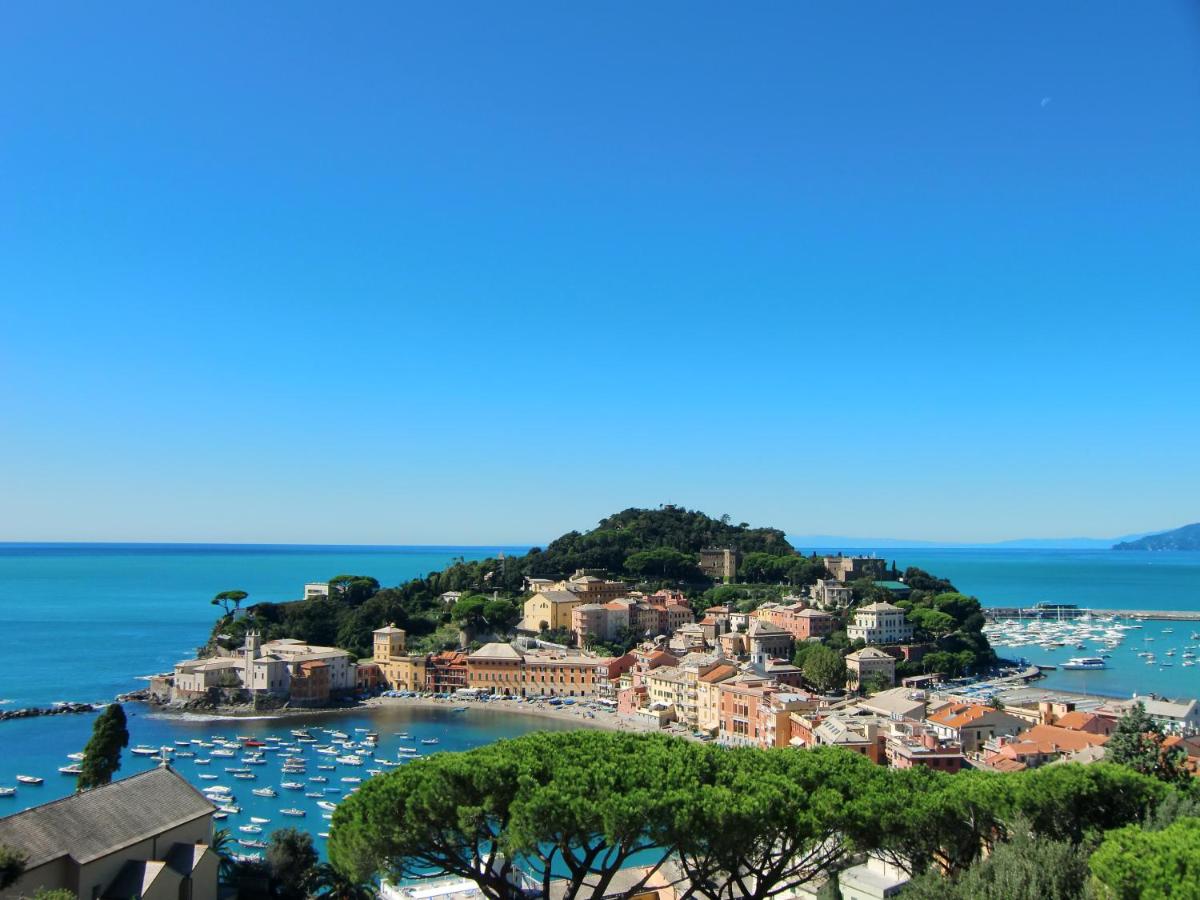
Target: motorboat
(313, 794)
(208, 776)
(325, 804)
(429, 740)
(350, 760)
(8, 792)
(319, 779)
(250, 829)
(259, 820)
(297, 813)
(292, 786)
(264, 792)
(143, 750)
(352, 779)
(29, 779)
(1085, 662)
(245, 776)
(251, 843)
(77, 757)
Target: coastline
(579, 714)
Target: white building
(880, 623)
(316, 589)
(263, 668)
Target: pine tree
(102, 755)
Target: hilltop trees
(230, 601)
(102, 755)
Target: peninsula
(1185, 538)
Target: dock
(1058, 611)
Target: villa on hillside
(880, 623)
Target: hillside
(1185, 538)
(654, 544)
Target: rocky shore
(59, 709)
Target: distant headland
(1185, 538)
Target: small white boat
(230, 810)
(264, 792)
(8, 792)
(202, 760)
(245, 776)
(297, 813)
(352, 779)
(292, 786)
(429, 740)
(73, 769)
(323, 834)
(259, 820)
(143, 750)
(325, 804)
(29, 779)
(350, 760)
(77, 757)
(319, 779)
(250, 829)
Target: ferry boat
(1085, 662)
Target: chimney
(929, 739)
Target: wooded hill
(661, 545)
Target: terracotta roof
(1062, 740)
(1078, 720)
(956, 715)
(720, 673)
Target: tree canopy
(1134, 864)
(102, 755)
(1137, 743)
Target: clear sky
(484, 272)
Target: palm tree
(331, 883)
(222, 845)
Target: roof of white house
(882, 606)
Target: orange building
(310, 684)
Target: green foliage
(476, 612)
(664, 563)
(824, 668)
(1023, 868)
(229, 600)
(223, 844)
(920, 580)
(102, 755)
(1147, 865)
(788, 567)
(352, 589)
(12, 866)
(331, 883)
(771, 820)
(291, 861)
(1137, 743)
(933, 621)
(54, 894)
(359, 605)
(873, 684)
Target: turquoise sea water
(82, 621)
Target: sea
(84, 622)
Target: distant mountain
(1185, 538)
(842, 542)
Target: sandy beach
(577, 714)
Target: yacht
(1085, 662)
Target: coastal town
(725, 676)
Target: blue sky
(437, 273)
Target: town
(727, 676)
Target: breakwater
(58, 709)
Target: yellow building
(399, 670)
(550, 609)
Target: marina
(251, 810)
